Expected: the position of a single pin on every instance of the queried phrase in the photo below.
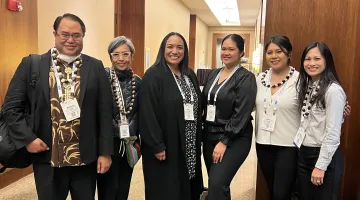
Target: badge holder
(124, 130)
(211, 112)
(268, 123)
(300, 134)
(189, 111)
(71, 109)
(299, 138)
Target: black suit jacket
(95, 135)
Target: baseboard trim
(12, 175)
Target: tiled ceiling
(248, 11)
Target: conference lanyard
(222, 84)
(181, 91)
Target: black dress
(163, 128)
(232, 126)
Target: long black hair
(327, 77)
(160, 59)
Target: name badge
(71, 109)
(299, 138)
(189, 111)
(211, 112)
(124, 131)
(268, 122)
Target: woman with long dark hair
(170, 125)
(277, 119)
(321, 102)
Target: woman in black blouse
(228, 100)
(170, 125)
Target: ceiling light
(226, 11)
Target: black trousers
(329, 190)
(115, 184)
(55, 183)
(279, 167)
(222, 173)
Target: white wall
(98, 16)
(161, 18)
(201, 43)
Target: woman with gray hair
(115, 184)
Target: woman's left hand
(317, 177)
(347, 109)
(219, 152)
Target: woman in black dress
(170, 125)
(228, 100)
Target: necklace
(312, 90)
(120, 101)
(66, 78)
(291, 72)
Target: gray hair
(116, 42)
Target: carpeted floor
(242, 187)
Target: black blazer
(162, 127)
(95, 135)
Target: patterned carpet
(242, 187)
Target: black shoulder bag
(10, 157)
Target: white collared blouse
(323, 128)
(287, 113)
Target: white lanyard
(277, 94)
(58, 82)
(222, 84)
(187, 83)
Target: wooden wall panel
(131, 15)
(192, 41)
(117, 18)
(335, 23)
(350, 76)
(18, 38)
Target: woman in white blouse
(277, 119)
(322, 101)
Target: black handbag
(10, 157)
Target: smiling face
(276, 58)
(174, 51)
(69, 37)
(230, 53)
(121, 57)
(314, 63)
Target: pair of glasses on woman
(120, 55)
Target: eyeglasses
(65, 36)
(119, 55)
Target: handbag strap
(34, 69)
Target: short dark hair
(237, 39)
(283, 42)
(327, 77)
(160, 59)
(71, 17)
